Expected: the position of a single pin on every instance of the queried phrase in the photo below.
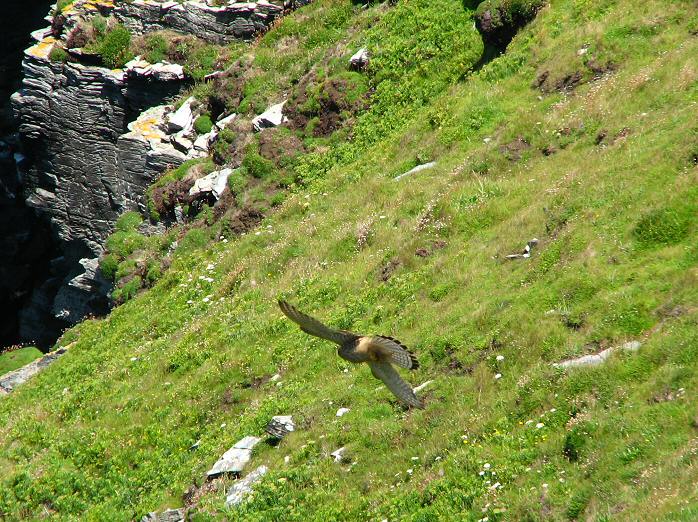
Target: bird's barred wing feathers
(402, 390)
(313, 326)
(399, 353)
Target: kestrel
(380, 352)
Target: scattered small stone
(275, 377)
(280, 425)
(342, 411)
(500, 358)
(526, 251)
(498, 376)
(338, 455)
(195, 445)
(243, 488)
(235, 459)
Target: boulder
(280, 425)
(359, 60)
(213, 183)
(272, 117)
(183, 118)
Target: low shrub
(203, 124)
(115, 47)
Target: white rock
(243, 488)
(182, 118)
(359, 59)
(221, 123)
(418, 168)
(598, 358)
(203, 141)
(235, 459)
(182, 143)
(165, 71)
(214, 183)
(342, 411)
(272, 117)
(422, 386)
(338, 455)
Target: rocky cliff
(90, 158)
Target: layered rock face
(93, 147)
(71, 117)
(219, 25)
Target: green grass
(17, 358)
(100, 436)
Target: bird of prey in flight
(378, 351)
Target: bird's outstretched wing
(315, 327)
(397, 352)
(403, 391)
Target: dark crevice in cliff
(26, 242)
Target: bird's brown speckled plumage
(379, 352)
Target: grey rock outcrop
(236, 458)
(280, 425)
(596, 359)
(219, 25)
(10, 380)
(243, 488)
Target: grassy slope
(618, 260)
(17, 358)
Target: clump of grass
(115, 47)
(257, 166)
(203, 124)
(58, 54)
(664, 226)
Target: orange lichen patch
(94, 5)
(43, 48)
(69, 9)
(147, 127)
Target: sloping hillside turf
(603, 175)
